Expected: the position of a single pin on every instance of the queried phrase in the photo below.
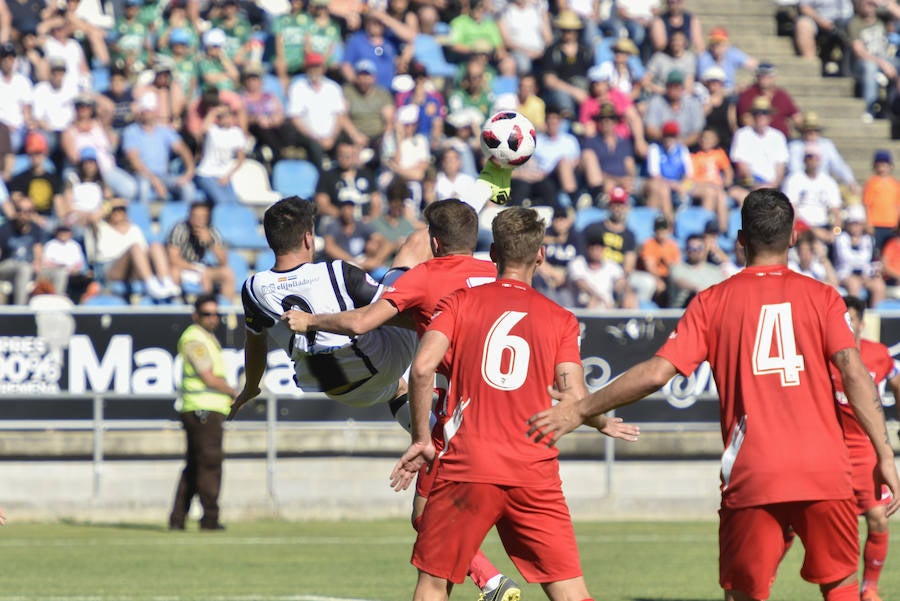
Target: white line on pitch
(178, 598)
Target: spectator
(7, 156)
(430, 102)
(854, 258)
(31, 62)
(815, 196)
(237, 30)
(178, 28)
(713, 176)
(530, 104)
(561, 244)
(131, 39)
(370, 108)
(170, 99)
(608, 158)
(348, 180)
(637, 16)
(16, 94)
(41, 186)
(472, 91)
(86, 131)
(565, 64)
(675, 105)
(406, 153)
(675, 57)
(465, 127)
(61, 43)
(623, 74)
(551, 170)
(83, 198)
(122, 252)
(21, 247)
(759, 151)
(223, 153)
(149, 146)
(265, 115)
(115, 107)
(316, 108)
(881, 198)
(429, 41)
(658, 254)
(394, 225)
(208, 101)
(670, 172)
(215, 68)
(599, 281)
(890, 262)
(185, 68)
(401, 26)
(349, 239)
(53, 106)
(629, 126)
(451, 181)
(677, 20)
(730, 59)
(784, 112)
(819, 22)
(692, 275)
(323, 33)
(525, 28)
(831, 160)
(289, 31)
(371, 44)
(472, 27)
(810, 258)
(873, 55)
(198, 256)
(63, 253)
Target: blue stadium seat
(100, 77)
(22, 162)
(238, 226)
(429, 52)
(691, 220)
(588, 215)
(265, 259)
(272, 85)
(170, 214)
(888, 304)
(295, 178)
(238, 265)
(734, 223)
(139, 214)
(105, 300)
(640, 222)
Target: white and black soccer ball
(509, 138)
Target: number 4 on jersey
(776, 329)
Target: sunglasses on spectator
(693, 248)
(208, 314)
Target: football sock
(498, 179)
(874, 555)
(848, 592)
(492, 583)
(481, 570)
(400, 410)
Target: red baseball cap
(670, 128)
(618, 195)
(35, 143)
(314, 59)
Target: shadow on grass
(117, 525)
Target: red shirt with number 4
(768, 334)
(506, 340)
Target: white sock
(492, 583)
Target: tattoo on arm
(880, 408)
(565, 380)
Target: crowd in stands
(139, 139)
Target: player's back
(506, 340)
(768, 334)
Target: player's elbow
(421, 370)
(658, 372)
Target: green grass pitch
(338, 561)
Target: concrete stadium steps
(751, 26)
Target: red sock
(481, 569)
(874, 554)
(848, 592)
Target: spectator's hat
(417, 69)
(62, 227)
(599, 73)
(408, 114)
(163, 64)
(133, 3)
(810, 122)
(761, 104)
(214, 38)
(57, 63)
(660, 223)
(626, 46)
(618, 195)
(670, 129)
(84, 99)
(607, 111)
(718, 34)
(568, 20)
(675, 77)
(883, 156)
(714, 73)
(465, 117)
(179, 35)
(711, 227)
(116, 204)
(765, 68)
(7, 49)
(364, 65)
(314, 59)
(148, 103)
(35, 143)
(88, 153)
(855, 213)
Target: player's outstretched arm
(256, 349)
(643, 379)
(493, 184)
(614, 427)
(350, 323)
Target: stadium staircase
(751, 26)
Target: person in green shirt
(184, 62)
(323, 36)
(290, 42)
(150, 14)
(216, 68)
(204, 400)
(473, 93)
(176, 19)
(477, 25)
(131, 38)
(237, 29)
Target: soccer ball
(508, 137)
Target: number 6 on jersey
(776, 328)
(504, 362)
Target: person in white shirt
(525, 27)
(854, 258)
(53, 104)
(759, 151)
(815, 196)
(598, 280)
(15, 98)
(224, 146)
(62, 44)
(451, 181)
(317, 109)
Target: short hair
(767, 219)
(854, 303)
(204, 298)
(454, 223)
(398, 189)
(200, 204)
(518, 235)
(286, 223)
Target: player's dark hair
(286, 223)
(204, 298)
(856, 304)
(454, 223)
(518, 236)
(767, 219)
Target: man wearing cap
(316, 109)
(149, 146)
(599, 282)
(371, 43)
(565, 64)
(881, 197)
(131, 37)
(237, 30)
(830, 159)
(608, 157)
(658, 254)
(819, 19)
(170, 99)
(184, 65)
(552, 168)
(216, 67)
(53, 105)
(675, 105)
(36, 183)
(759, 151)
(670, 172)
(855, 258)
(784, 113)
(815, 195)
(16, 94)
(676, 57)
(348, 180)
(720, 53)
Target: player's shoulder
(873, 348)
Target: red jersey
(769, 334)
(421, 288)
(880, 364)
(506, 340)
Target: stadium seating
(239, 226)
(429, 52)
(589, 215)
(251, 184)
(272, 85)
(640, 222)
(264, 260)
(691, 220)
(22, 162)
(238, 265)
(105, 300)
(295, 178)
(139, 214)
(170, 214)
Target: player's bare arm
(421, 388)
(866, 402)
(256, 349)
(643, 379)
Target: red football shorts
(862, 465)
(533, 523)
(752, 543)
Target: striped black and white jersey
(332, 363)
